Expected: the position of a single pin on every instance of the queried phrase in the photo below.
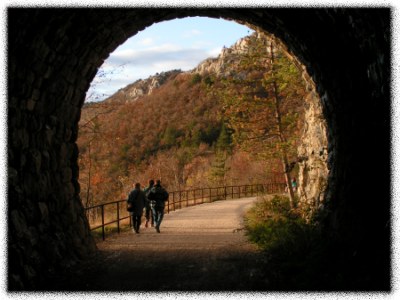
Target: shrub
(272, 224)
(196, 78)
(292, 247)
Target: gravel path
(200, 248)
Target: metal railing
(102, 215)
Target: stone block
(66, 175)
(18, 222)
(44, 211)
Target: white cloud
(165, 53)
(166, 47)
(182, 64)
(146, 41)
(214, 52)
(126, 66)
(191, 33)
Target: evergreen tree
(264, 102)
(219, 169)
(223, 150)
(224, 141)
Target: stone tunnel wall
(53, 55)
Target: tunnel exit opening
(218, 80)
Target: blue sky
(176, 44)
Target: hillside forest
(198, 129)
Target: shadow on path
(201, 248)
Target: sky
(176, 44)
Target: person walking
(149, 203)
(160, 196)
(137, 199)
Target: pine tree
(223, 150)
(224, 141)
(264, 102)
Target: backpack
(129, 206)
(164, 195)
(159, 194)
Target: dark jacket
(146, 192)
(138, 199)
(159, 194)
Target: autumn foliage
(195, 130)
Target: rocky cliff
(313, 156)
(223, 65)
(142, 87)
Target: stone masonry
(53, 55)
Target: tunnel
(53, 55)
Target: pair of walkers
(152, 198)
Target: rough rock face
(142, 87)
(313, 158)
(312, 152)
(220, 65)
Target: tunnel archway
(52, 61)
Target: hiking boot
(158, 229)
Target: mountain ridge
(222, 65)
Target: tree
(264, 102)
(223, 149)
(90, 129)
(219, 169)
(104, 74)
(224, 141)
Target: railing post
(118, 228)
(102, 223)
